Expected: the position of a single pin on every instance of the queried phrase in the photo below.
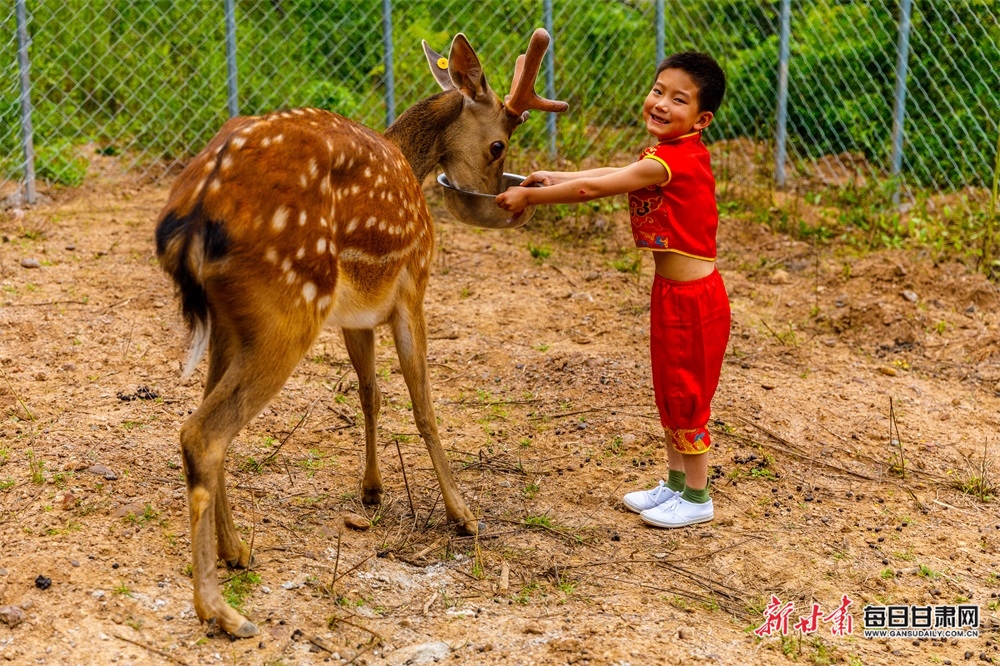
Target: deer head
(470, 133)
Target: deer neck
(419, 133)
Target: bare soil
(839, 366)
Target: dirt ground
(839, 366)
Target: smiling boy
(673, 213)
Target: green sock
(695, 496)
(675, 480)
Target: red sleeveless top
(680, 214)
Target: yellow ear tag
(442, 63)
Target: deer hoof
(371, 496)
(245, 630)
(241, 561)
(471, 527)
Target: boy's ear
(704, 120)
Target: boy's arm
(608, 183)
(556, 177)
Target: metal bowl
(480, 210)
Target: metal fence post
(27, 138)
(899, 111)
(550, 76)
(390, 83)
(660, 33)
(781, 131)
(234, 104)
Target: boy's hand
(543, 177)
(515, 199)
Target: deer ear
(439, 67)
(465, 70)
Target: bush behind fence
(147, 79)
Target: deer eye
(496, 149)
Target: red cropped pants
(689, 330)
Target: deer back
(295, 211)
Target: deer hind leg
(360, 344)
(231, 549)
(250, 381)
(409, 331)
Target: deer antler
(522, 88)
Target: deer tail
(184, 243)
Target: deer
(299, 219)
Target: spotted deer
(299, 219)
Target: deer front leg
(410, 333)
(360, 344)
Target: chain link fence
(889, 94)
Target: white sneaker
(641, 500)
(678, 512)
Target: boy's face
(671, 108)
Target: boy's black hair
(704, 71)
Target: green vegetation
(539, 252)
(147, 79)
(236, 590)
(36, 468)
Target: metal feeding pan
(480, 210)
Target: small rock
(356, 522)
(43, 583)
(780, 277)
(11, 615)
(70, 247)
(909, 295)
(68, 501)
(3, 572)
(683, 634)
(888, 370)
(290, 585)
(768, 386)
(421, 653)
(101, 470)
(30, 263)
(591, 276)
(97, 594)
(68, 367)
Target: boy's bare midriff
(681, 268)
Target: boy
(673, 213)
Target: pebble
(11, 615)
(43, 583)
(421, 653)
(97, 594)
(909, 295)
(3, 572)
(356, 522)
(101, 470)
(780, 277)
(30, 263)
